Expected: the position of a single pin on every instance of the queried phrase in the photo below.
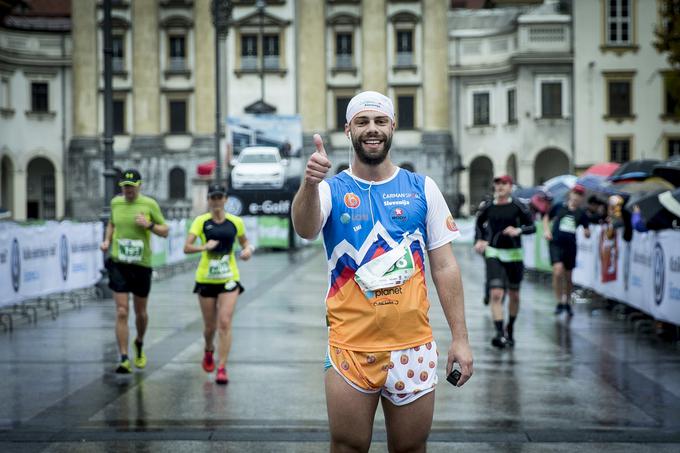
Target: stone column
(374, 46)
(204, 65)
(19, 189)
(84, 31)
(435, 66)
(145, 67)
(311, 56)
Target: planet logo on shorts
(16, 265)
(351, 200)
(63, 256)
(451, 224)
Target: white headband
(369, 100)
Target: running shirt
(493, 218)
(363, 220)
(565, 222)
(218, 265)
(131, 243)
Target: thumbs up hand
(318, 163)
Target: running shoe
(509, 342)
(222, 377)
(124, 367)
(140, 357)
(208, 362)
(559, 309)
(569, 311)
(499, 341)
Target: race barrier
(54, 257)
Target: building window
(480, 109)
(619, 22)
(39, 97)
(406, 112)
(404, 47)
(249, 52)
(619, 150)
(177, 188)
(551, 99)
(341, 103)
(619, 98)
(271, 51)
(118, 53)
(512, 108)
(178, 117)
(673, 147)
(343, 50)
(118, 116)
(178, 55)
(671, 83)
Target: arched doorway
(40, 190)
(408, 166)
(549, 163)
(511, 167)
(6, 184)
(481, 177)
(178, 184)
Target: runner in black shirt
(499, 225)
(565, 217)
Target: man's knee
(122, 312)
(224, 323)
(496, 294)
(350, 442)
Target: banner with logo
(38, 260)
(643, 273)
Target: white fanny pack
(390, 269)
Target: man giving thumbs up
(380, 342)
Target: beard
(377, 157)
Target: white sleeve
(325, 201)
(441, 228)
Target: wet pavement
(593, 384)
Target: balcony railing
(343, 61)
(177, 64)
(404, 58)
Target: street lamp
(221, 12)
(109, 172)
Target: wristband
(151, 225)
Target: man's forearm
(108, 235)
(449, 285)
(306, 212)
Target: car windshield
(258, 159)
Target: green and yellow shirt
(131, 243)
(218, 265)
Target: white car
(258, 167)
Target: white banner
(50, 258)
(643, 273)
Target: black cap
(130, 177)
(216, 189)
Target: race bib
(390, 269)
(130, 250)
(568, 224)
(218, 269)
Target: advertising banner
(584, 274)
(665, 277)
(38, 260)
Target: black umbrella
(655, 212)
(635, 169)
(670, 171)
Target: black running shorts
(129, 278)
(504, 275)
(563, 252)
(215, 289)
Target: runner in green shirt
(217, 277)
(128, 239)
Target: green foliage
(667, 41)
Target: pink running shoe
(222, 377)
(208, 362)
